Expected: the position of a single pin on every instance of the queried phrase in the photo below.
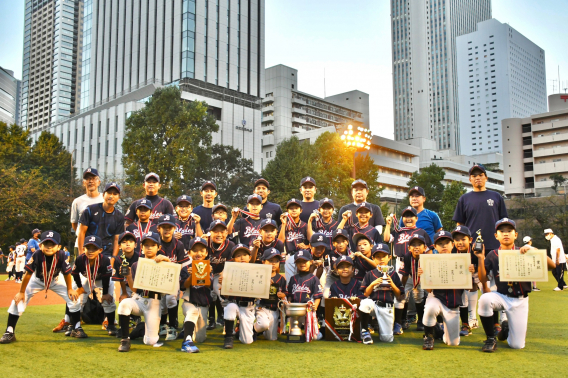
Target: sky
(350, 42)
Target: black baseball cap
(262, 181)
(240, 247)
(152, 175)
(93, 240)
(411, 210)
(417, 189)
(144, 203)
(253, 197)
(216, 223)
(364, 205)
(50, 235)
(344, 259)
(111, 185)
(359, 182)
(208, 183)
(442, 235)
(318, 240)
(461, 230)
(125, 235)
(293, 201)
(380, 247)
(36, 231)
(167, 219)
(505, 221)
(90, 171)
(270, 253)
(219, 206)
(327, 201)
(417, 237)
(477, 166)
(197, 240)
(339, 232)
(303, 254)
(22, 240)
(12, 247)
(360, 236)
(308, 180)
(154, 236)
(184, 198)
(267, 222)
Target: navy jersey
(327, 230)
(248, 229)
(332, 257)
(325, 263)
(116, 276)
(277, 285)
(160, 206)
(451, 298)
(303, 288)
(503, 287)
(277, 244)
(361, 267)
(198, 295)
(271, 210)
(35, 264)
(385, 296)
(295, 235)
(371, 232)
(102, 224)
(187, 230)
(138, 229)
(401, 238)
(103, 273)
(307, 209)
(219, 254)
(175, 251)
(206, 214)
(341, 290)
(409, 267)
(376, 219)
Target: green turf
(38, 350)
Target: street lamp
(356, 138)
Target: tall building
(501, 74)
(212, 49)
(424, 65)
(51, 62)
(10, 89)
(287, 112)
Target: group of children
(323, 258)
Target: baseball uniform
(196, 301)
(102, 224)
(94, 276)
(267, 309)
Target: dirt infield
(10, 288)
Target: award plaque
(517, 267)
(200, 273)
(338, 320)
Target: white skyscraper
(501, 74)
(424, 67)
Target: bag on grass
(93, 312)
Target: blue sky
(351, 41)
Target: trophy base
(295, 338)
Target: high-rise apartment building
(501, 74)
(10, 89)
(51, 62)
(424, 66)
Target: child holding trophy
(126, 257)
(364, 214)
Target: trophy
(478, 245)
(295, 310)
(200, 273)
(124, 267)
(386, 270)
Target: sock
(110, 318)
(404, 316)
(173, 315)
(75, 319)
(439, 319)
(496, 317)
(429, 331)
(219, 308)
(420, 311)
(472, 304)
(464, 316)
(12, 321)
(211, 314)
(398, 315)
(487, 322)
(365, 320)
(229, 324)
(124, 322)
(138, 331)
(67, 317)
(188, 328)
(164, 319)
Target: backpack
(93, 312)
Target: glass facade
(188, 40)
(86, 59)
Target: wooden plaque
(337, 320)
(200, 273)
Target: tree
(51, 157)
(367, 170)
(15, 142)
(429, 179)
(558, 179)
(452, 193)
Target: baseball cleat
(466, 330)
(79, 333)
(62, 326)
(68, 330)
(7, 338)
(419, 326)
(428, 343)
(504, 333)
(535, 289)
(172, 334)
(163, 330)
(124, 345)
(405, 325)
(397, 329)
(228, 342)
(112, 331)
(188, 346)
(366, 336)
(490, 345)
(211, 324)
(557, 289)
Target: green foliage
(430, 179)
(368, 171)
(452, 193)
(558, 179)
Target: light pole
(357, 138)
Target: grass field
(41, 352)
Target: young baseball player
(293, 233)
(363, 259)
(10, 261)
(364, 214)
(160, 206)
(127, 241)
(247, 229)
(267, 239)
(143, 303)
(347, 286)
(269, 210)
(380, 296)
(42, 269)
(220, 212)
(340, 248)
(20, 260)
(267, 309)
(323, 222)
(196, 300)
(512, 297)
(188, 224)
(143, 224)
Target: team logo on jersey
(291, 236)
(490, 202)
(300, 289)
(251, 231)
(403, 239)
(268, 215)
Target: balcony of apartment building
(550, 167)
(298, 120)
(555, 123)
(317, 123)
(268, 107)
(393, 177)
(297, 109)
(298, 99)
(311, 102)
(268, 117)
(269, 98)
(267, 140)
(552, 149)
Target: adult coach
(91, 183)
(160, 206)
(309, 204)
(269, 209)
(558, 256)
(428, 220)
(33, 244)
(205, 211)
(359, 192)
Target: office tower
(10, 89)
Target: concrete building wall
(9, 97)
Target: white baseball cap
(527, 239)
(548, 231)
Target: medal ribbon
(249, 214)
(415, 277)
(91, 278)
(396, 223)
(319, 221)
(146, 230)
(311, 327)
(290, 225)
(47, 278)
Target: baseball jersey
(206, 214)
(79, 204)
(481, 210)
(428, 220)
(138, 229)
(555, 244)
(277, 244)
(277, 285)
(304, 287)
(506, 288)
(32, 243)
(174, 250)
(198, 295)
(21, 251)
(160, 206)
(294, 235)
(248, 229)
(376, 219)
(361, 267)
(307, 209)
(341, 290)
(385, 296)
(371, 232)
(116, 276)
(326, 229)
(187, 230)
(218, 254)
(333, 256)
(102, 224)
(35, 265)
(401, 237)
(409, 267)
(103, 273)
(451, 298)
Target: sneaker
(7, 338)
(496, 329)
(557, 289)
(419, 326)
(188, 346)
(405, 325)
(428, 343)
(473, 323)
(69, 330)
(172, 334)
(105, 324)
(490, 345)
(124, 345)
(397, 329)
(220, 321)
(61, 326)
(366, 336)
(537, 289)
(228, 342)
(466, 330)
(566, 287)
(112, 331)
(211, 324)
(7, 279)
(412, 319)
(163, 330)
(504, 333)
(79, 333)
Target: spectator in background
(558, 256)
(33, 244)
(428, 220)
(67, 254)
(527, 240)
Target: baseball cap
(18, 243)
(208, 183)
(253, 197)
(548, 231)
(112, 185)
(359, 182)
(36, 231)
(22, 240)
(197, 240)
(318, 240)
(461, 230)
(216, 223)
(270, 253)
(339, 232)
(152, 175)
(442, 235)
(240, 247)
(327, 201)
(167, 219)
(417, 237)
(380, 247)
(184, 198)
(417, 189)
(364, 205)
(219, 206)
(360, 236)
(90, 171)
(303, 254)
(51, 235)
(477, 166)
(126, 234)
(154, 236)
(262, 181)
(308, 180)
(527, 239)
(293, 201)
(93, 240)
(267, 222)
(503, 221)
(411, 210)
(144, 203)
(12, 246)
(344, 259)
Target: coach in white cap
(558, 256)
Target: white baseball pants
(517, 310)
(267, 322)
(35, 286)
(385, 318)
(147, 307)
(107, 307)
(246, 317)
(198, 316)
(451, 316)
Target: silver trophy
(386, 270)
(294, 311)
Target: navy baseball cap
(197, 240)
(216, 223)
(111, 185)
(90, 171)
(144, 203)
(126, 234)
(184, 198)
(240, 247)
(308, 180)
(417, 237)
(267, 222)
(477, 166)
(318, 240)
(327, 201)
(359, 182)
(364, 205)
(360, 236)
(380, 247)
(262, 181)
(153, 175)
(505, 221)
(418, 190)
(339, 232)
(154, 236)
(443, 235)
(93, 240)
(167, 219)
(12, 247)
(253, 197)
(51, 235)
(219, 206)
(270, 253)
(293, 201)
(18, 243)
(22, 240)
(208, 183)
(36, 231)
(411, 210)
(461, 230)
(344, 259)
(303, 254)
